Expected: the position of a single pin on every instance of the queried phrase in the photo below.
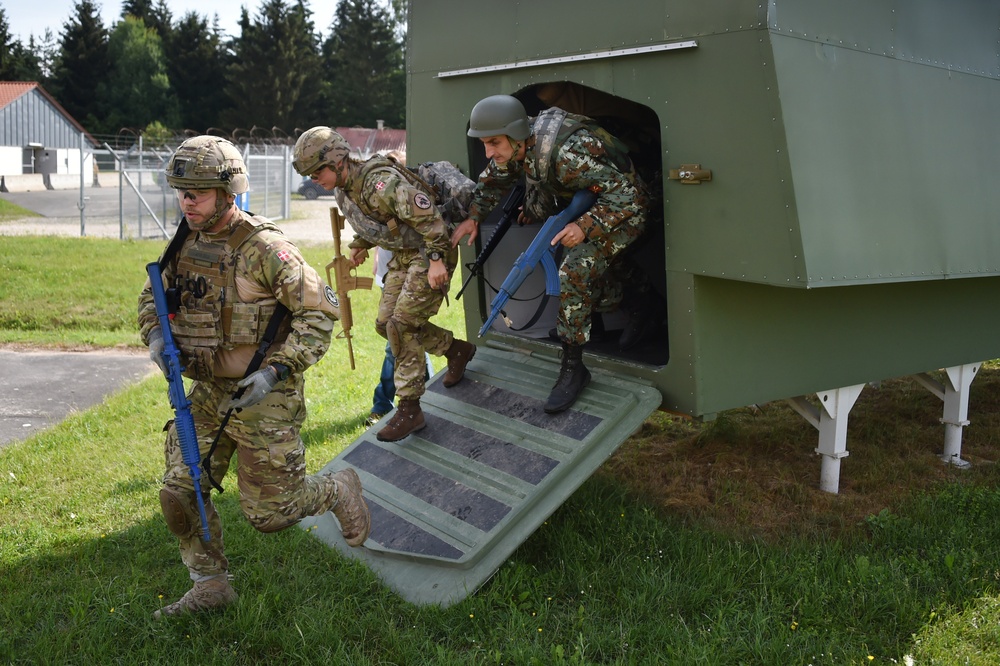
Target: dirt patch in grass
(754, 471)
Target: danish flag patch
(284, 255)
(380, 186)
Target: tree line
(152, 74)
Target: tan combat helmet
(206, 162)
(499, 115)
(318, 147)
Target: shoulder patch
(331, 296)
(421, 201)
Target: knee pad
(394, 334)
(380, 329)
(181, 517)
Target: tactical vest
(209, 312)
(551, 129)
(451, 190)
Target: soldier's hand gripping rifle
(183, 419)
(540, 251)
(511, 207)
(345, 278)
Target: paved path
(40, 388)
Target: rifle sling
(265, 343)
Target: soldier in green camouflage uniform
(397, 211)
(229, 270)
(558, 154)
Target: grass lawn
(694, 544)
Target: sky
(27, 17)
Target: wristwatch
(435, 255)
(281, 370)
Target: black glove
(156, 349)
(256, 386)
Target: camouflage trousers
(274, 490)
(593, 277)
(407, 304)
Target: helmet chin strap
(221, 206)
(516, 146)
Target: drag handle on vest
(345, 278)
(183, 419)
(539, 252)
(511, 208)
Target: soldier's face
(500, 149)
(199, 206)
(325, 177)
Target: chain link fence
(148, 207)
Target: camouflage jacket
(567, 153)
(387, 195)
(226, 293)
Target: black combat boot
(573, 377)
(645, 315)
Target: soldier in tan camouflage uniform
(558, 154)
(229, 270)
(397, 213)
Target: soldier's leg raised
(275, 492)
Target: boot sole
(420, 427)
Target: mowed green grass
(694, 544)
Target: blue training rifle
(540, 251)
(183, 419)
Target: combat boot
(644, 316)
(407, 418)
(573, 377)
(205, 595)
(459, 354)
(351, 509)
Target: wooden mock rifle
(345, 279)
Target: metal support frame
(955, 395)
(830, 419)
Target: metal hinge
(690, 174)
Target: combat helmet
(318, 147)
(499, 115)
(206, 162)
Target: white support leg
(955, 395)
(831, 421)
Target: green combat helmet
(207, 162)
(318, 147)
(499, 115)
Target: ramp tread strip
(571, 423)
(451, 497)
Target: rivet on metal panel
(690, 174)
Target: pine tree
(363, 61)
(17, 63)
(81, 65)
(274, 71)
(196, 65)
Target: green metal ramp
(449, 504)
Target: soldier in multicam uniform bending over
(397, 213)
(560, 153)
(229, 272)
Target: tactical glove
(255, 387)
(156, 350)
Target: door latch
(690, 174)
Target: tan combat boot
(351, 509)
(205, 595)
(459, 354)
(407, 418)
